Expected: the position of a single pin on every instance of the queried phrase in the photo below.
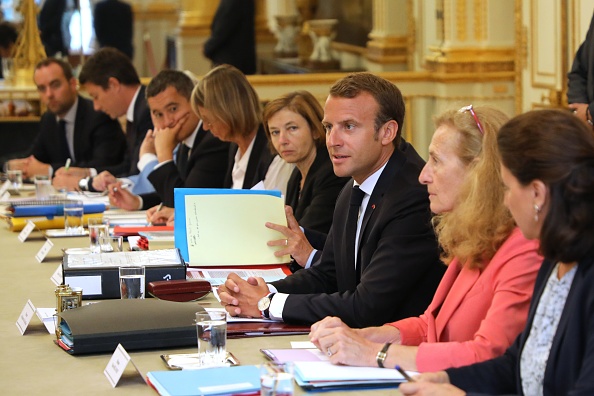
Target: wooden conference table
(32, 365)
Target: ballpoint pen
(124, 186)
(67, 166)
(404, 374)
(158, 209)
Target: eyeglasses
(470, 109)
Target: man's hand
(74, 171)
(122, 198)
(65, 181)
(580, 110)
(156, 215)
(35, 167)
(295, 244)
(102, 180)
(18, 164)
(166, 139)
(240, 297)
(148, 144)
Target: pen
(406, 376)
(67, 166)
(158, 209)
(125, 185)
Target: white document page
(218, 276)
(229, 229)
(326, 371)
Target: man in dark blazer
(50, 27)
(176, 126)
(114, 25)
(233, 38)
(391, 269)
(112, 82)
(71, 128)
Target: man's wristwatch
(83, 184)
(264, 305)
(381, 355)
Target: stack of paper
(323, 375)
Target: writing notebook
(226, 227)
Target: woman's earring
(536, 212)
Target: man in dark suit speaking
(380, 261)
(71, 128)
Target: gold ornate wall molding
(156, 11)
(480, 20)
(461, 20)
(196, 17)
(388, 49)
(471, 60)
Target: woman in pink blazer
(482, 302)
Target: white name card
(26, 231)
(117, 364)
(56, 278)
(45, 249)
(25, 317)
(7, 184)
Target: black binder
(99, 282)
(136, 324)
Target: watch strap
(381, 355)
(266, 312)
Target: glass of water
(73, 217)
(276, 379)
(211, 328)
(132, 282)
(16, 178)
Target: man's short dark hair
(8, 34)
(387, 95)
(106, 63)
(65, 66)
(170, 78)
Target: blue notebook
(209, 381)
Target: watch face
(263, 303)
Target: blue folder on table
(53, 210)
(208, 381)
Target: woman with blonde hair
(230, 109)
(481, 304)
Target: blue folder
(50, 211)
(208, 381)
(180, 233)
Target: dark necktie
(351, 226)
(64, 140)
(182, 159)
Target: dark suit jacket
(233, 38)
(399, 259)
(581, 77)
(98, 140)
(570, 367)
(260, 159)
(135, 133)
(313, 208)
(207, 166)
(114, 25)
(50, 26)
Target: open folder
(225, 227)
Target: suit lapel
(458, 288)
(79, 121)
(254, 161)
(384, 182)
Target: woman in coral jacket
(482, 302)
